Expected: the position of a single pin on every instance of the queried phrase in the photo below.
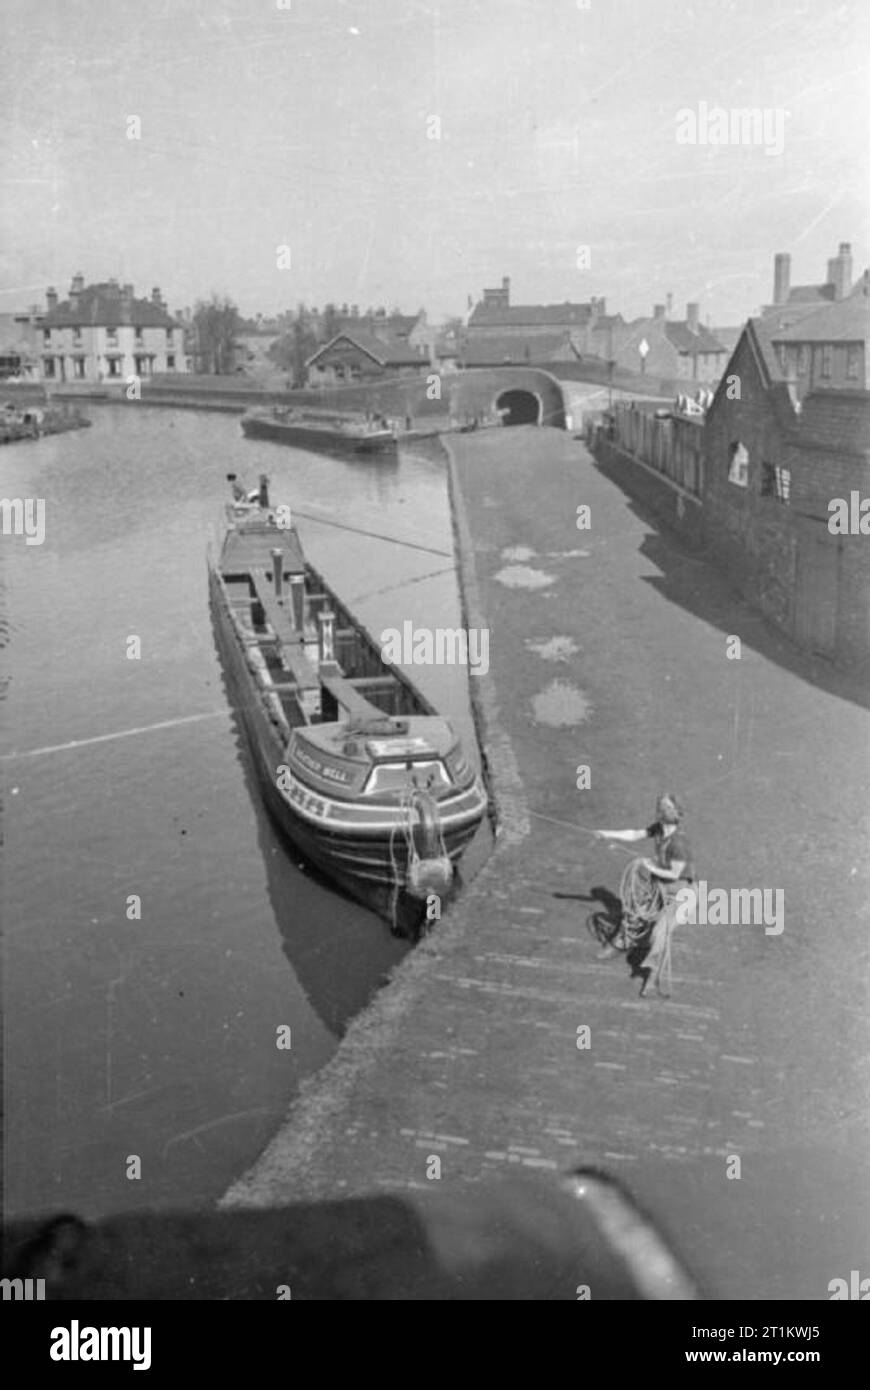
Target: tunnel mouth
(520, 407)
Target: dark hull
(359, 863)
(325, 441)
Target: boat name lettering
(301, 796)
(333, 774)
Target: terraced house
(102, 332)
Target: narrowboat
(325, 431)
(367, 781)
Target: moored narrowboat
(363, 775)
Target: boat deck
(252, 547)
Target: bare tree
(217, 324)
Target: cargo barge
(364, 777)
(325, 431)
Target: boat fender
(429, 869)
(427, 876)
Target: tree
(217, 324)
(293, 349)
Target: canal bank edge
(286, 1169)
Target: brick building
(103, 332)
(363, 357)
(827, 349)
(793, 302)
(495, 316)
(677, 348)
(757, 493)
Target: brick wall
(779, 553)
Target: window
(139, 335)
(170, 363)
(853, 361)
(170, 337)
(79, 367)
(114, 366)
(77, 335)
(775, 482)
(738, 468)
(49, 366)
(390, 777)
(826, 360)
(803, 359)
(46, 336)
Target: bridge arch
(519, 406)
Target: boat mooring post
(278, 574)
(326, 619)
(264, 492)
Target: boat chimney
(264, 492)
(278, 574)
(326, 619)
(297, 600)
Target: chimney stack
(781, 277)
(658, 311)
(78, 284)
(669, 302)
(51, 298)
(155, 296)
(692, 317)
(840, 271)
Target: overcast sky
(307, 126)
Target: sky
(311, 125)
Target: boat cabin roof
(423, 737)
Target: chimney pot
(692, 317)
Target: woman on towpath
(674, 870)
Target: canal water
(154, 1037)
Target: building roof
(529, 315)
(845, 321)
(388, 352)
(393, 325)
(690, 341)
(512, 348)
(810, 294)
(762, 340)
(105, 306)
(728, 337)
